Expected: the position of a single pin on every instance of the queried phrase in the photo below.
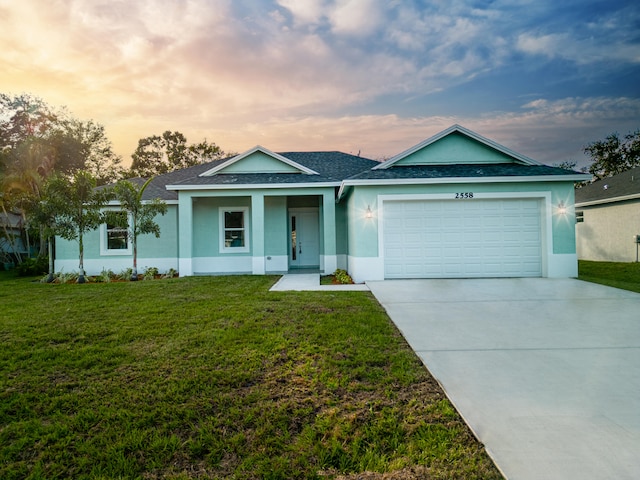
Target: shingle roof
(462, 171)
(621, 185)
(157, 187)
(335, 167)
(332, 167)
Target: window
(114, 239)
(234, 233)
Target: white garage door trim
(452, 271)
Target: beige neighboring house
(608, 218)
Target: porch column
(329, 228)
(257, 233)
(185, 234)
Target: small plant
(105, 276)
(46, 279)
(170, 273)
(150, 273)
(69, 277)
(125, 274)
(342, 277)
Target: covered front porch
(257, 232)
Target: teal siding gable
(455, 148)
(259, 162)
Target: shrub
(150, 273)
(67, 277)
(125, 274)
(342, 276)
(33, 266)
(170, 273)
(105, 276)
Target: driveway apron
(546, 372)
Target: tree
(156, 155)
(37, 140)
(75, 144)
(566, 164)
(44, 214)
(85, 145)
(23, 116)
(614, 155)
(79, 208)
(140, 215)
(26, 167)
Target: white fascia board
(253, 186)
(454, 180)
(609, 200)
(266, 151)
(465, 131)
(116, 203)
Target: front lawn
(613, 274)
(216, 378)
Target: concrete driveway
(546, 372)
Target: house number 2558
(464, 195)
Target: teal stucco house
(457, 205)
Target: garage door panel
(475, 238)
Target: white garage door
(462, 238)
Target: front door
(304, 242)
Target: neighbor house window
(234, 231)
(114, 239)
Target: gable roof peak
(258, 148)
(456, 128)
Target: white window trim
(105, 251)
(245, 213)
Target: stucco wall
(607, 232)
(152, 252)
(363, 231)
(559, 242)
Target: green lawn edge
(623, 275)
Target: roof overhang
(116, 203)
(252, 186)
(459, 180)
(603, 201)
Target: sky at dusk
(542, 77)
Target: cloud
(548, 131)
(586, 37)
(555, 130)
(356, 17)
(305, 11)
(316, 71)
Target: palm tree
(140, 213)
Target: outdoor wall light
(368, 213)
(562, 209)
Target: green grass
(216, 378)
(614, 274)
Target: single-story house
(454, 205)
(608, 215)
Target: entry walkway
(546, 372)
(310, 281)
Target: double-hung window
(114, 239)
(234, 231)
